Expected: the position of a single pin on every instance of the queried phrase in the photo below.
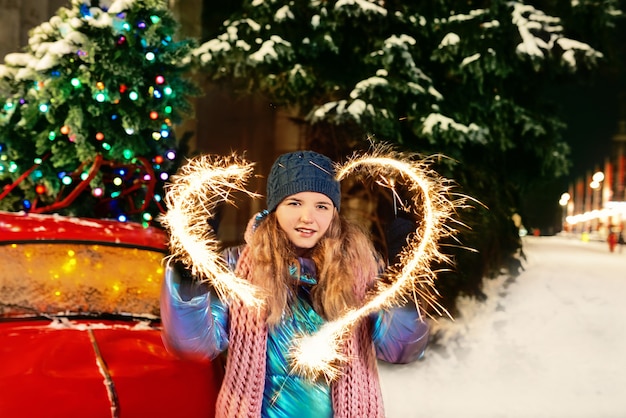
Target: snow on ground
(549, 344)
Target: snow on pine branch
(52, 40)
(534, 25)
(355, 109)
(267, 52)
(445, 123)
(364, 6)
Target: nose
(306, 215)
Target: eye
(323, 206)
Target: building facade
(596, 203)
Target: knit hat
(302, 171)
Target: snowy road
(551, 344)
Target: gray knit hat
(302, 171)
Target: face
(305, 218)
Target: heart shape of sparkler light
(206, 181)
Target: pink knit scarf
(356, 394)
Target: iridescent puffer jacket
(197, 324)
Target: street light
(596, 206)
(596, 179)
(565, 197)
(598, 176)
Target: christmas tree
(87, 111)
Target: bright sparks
(206, 181)
(191, 199)
(319, 355)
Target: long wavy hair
(344, 259)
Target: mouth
(305, 231)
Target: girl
(313, 264)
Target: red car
(79, 324)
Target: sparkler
(191, 198)
(205, 181)
(319, 354)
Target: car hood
(99, 369)
(28, 227)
